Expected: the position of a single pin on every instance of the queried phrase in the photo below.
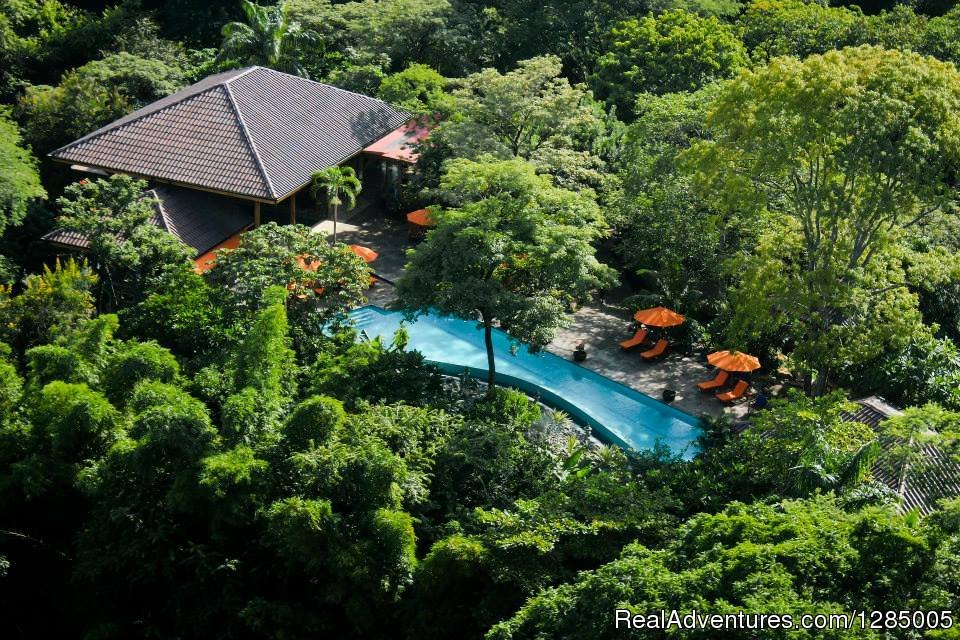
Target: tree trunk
(820, 384)
(335, 207)
(491, 366)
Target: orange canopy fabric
(309, 266)
(205, 262)
(659, 317)
(420, 217)
(368, 255)
(733, 361)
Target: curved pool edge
(556, 401)
(540, 393)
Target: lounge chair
(716, 383)
(657, 350)
(738, 391)
(638, 338)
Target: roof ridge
(108, 128)
(164, 216)
(322, 84)
(243, 72)
(249, 139)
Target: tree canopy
(665, 53)
(840, 155)
(516, 251)
(269, 37)
(19, 181)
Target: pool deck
(384, 235)
(600, 326)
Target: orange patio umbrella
(659, 317)
(733, 361)
(421, 218)
(206, 262)
(368, 255)
(310, 265)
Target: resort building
(240, 147)
(920, 491)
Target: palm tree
(339, 183)
(268, 38)
(827, 468)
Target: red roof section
(401, 143)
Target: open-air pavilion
(240, 147)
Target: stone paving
(600, 327)
(384, 235)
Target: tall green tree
(263, 371)
(800, 556)
(771, 28)
(127, 250)
(19, 180)
(325, 280)
(665, 53)
(798, 446)
(39, 39)
(517, 252)
(840, 154)
(340, 185)
(418, 89)
(569, 29)
(269, 37)
(52, 304)
(531, 112)
(673, 237)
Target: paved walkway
(602, 328)
(384, 235)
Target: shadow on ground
(600, 327)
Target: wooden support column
(293, 209)
(256, 215)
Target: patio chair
(656, 352)
(716, 383)
(738, 391)
(638, 338)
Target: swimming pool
(617, 413)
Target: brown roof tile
(198, 219)
(941, 478)
(253, 132)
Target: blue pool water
(617, 414)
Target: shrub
(134, 363)
(251, 418)
(77, 422)
(314, 421)
(50, 362)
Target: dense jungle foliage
(223, 456)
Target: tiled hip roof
(255, 133)
(199, 219)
